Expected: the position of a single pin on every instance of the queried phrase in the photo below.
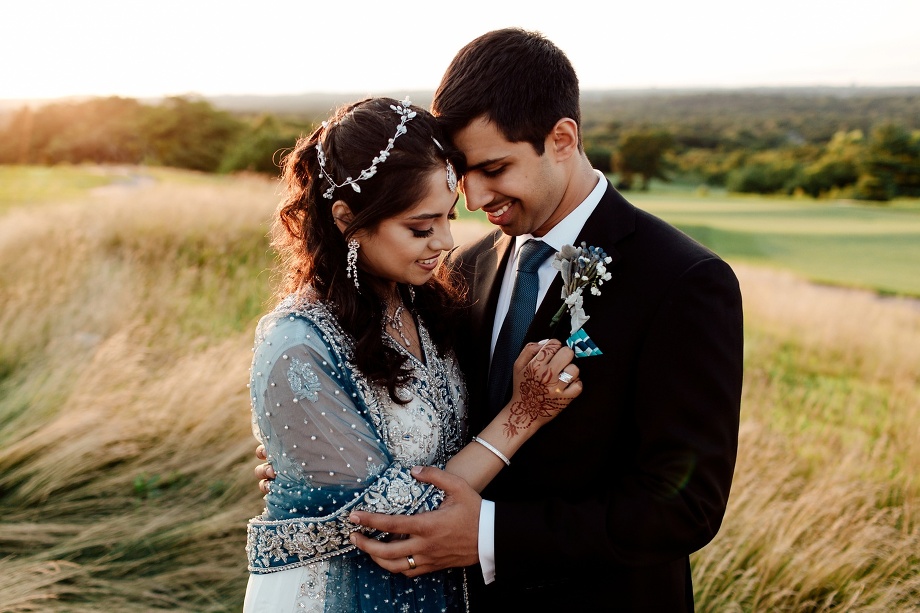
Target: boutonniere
(580, 267)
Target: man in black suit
(603, 507)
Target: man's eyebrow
(485, 163)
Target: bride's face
(406, 248)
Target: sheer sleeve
(320, 425)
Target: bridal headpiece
(451, 173)
(406, 114)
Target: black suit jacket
(601, 509)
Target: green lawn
(37, 184)
(837, 242)
(32, 185)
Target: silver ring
(411, 561)
(565, 377)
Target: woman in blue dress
(353, 380)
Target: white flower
(579, 267)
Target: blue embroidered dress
(338, 443)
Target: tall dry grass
(126, 462)
(824, 511)
(126, 457)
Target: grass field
(128, 307)
(38, 184)
(836, 242)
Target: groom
(603, 507)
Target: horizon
(637, 91)
(100, 48)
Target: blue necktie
(520, 314)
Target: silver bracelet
(492, 448)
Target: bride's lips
(428, 264)
(499, 216)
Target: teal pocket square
(582, 344)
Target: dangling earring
(351, 262)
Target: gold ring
(565, 377)
(411, 561)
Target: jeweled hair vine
(406, 114)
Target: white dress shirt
(563, 233)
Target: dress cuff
(487, 540)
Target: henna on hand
(534, 402)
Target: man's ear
(563, 139)
(341, 213)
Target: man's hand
(264, 472)
(447, 537)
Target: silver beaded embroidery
(431, 433)
(312, 593)
(298, 542)
(304, 382)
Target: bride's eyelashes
(429, 231)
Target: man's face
(519, 190)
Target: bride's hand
(545, 382)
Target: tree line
(180, 132)
(854, 144)
(844, 143)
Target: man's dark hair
(515, 78)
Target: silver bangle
(492, 448)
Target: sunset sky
(101, 47)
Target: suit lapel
(490, 265)
(613, 220)
(487, 278)
(485, 285)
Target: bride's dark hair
(313, 249)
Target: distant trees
(642, 153)
(260, 148)
(764, 173)
(101, 130)
(750, 119)
(846, 145)
(601, 157)
(189, 134)
(892, 163)
(179, 132)
(837, 167)
(850, 143)
(882, 167)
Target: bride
(353, 380)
